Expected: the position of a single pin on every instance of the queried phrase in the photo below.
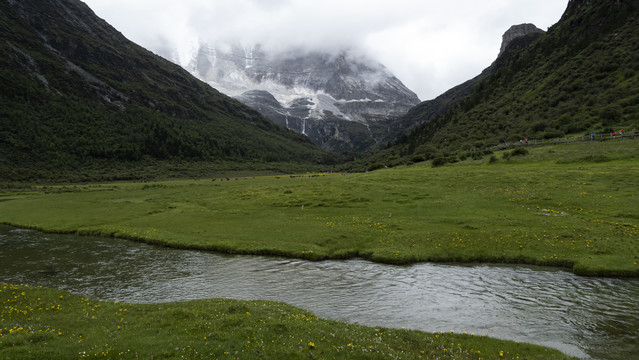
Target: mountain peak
(336, 99)
(517, 31)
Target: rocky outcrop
(517, 31)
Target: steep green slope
(583, 75)
(75, 94)
(431, 109)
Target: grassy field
(571, 206)
(38, 323)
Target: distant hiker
(592, 135)
(521, 142)
(614, 134)
(526, 141)
(621, 132)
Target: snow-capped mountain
(340, 101)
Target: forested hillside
(581, 76)
(75, 94)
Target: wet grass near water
(37, 323)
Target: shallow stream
(594, 318)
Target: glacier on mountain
(341, 101)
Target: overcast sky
(429, 45)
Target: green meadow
(573, 206)
(38, 323)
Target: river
(596, 318)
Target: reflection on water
(586, 317)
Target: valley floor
(571, 206)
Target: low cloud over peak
(430, 45)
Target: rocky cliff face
(517, 31)
(336, 100)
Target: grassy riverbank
(571, 206)
(38, 323)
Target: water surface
(586, 317)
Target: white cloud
(430, 45)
